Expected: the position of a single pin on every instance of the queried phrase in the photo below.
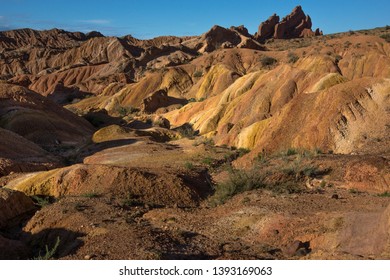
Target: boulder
(13, 204)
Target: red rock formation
(267, 28)
(218, 36)
(295, 25)
(242, 30)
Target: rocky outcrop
(242, 30)
(295, 25)
(267, 28)
(159, 99)
(12, 205)
(218, 37)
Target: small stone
(335, 196)
(87, 257)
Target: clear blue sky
(151, 18)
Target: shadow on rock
(52, 243)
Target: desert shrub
(386, 37)
(191, 100)
(189, 165)
(203, 141)
(187, 131)
(197, 74)
(292, 58)
(338, 58)
(41, 201)
(49, 254)
(124, 111)
(384, 194)
(267, 61)
(347, 44)
(291, 152)
(208, 160)
(91, 195)
(304, 153)
(242, 151)
(239, 181)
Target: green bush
(91, 195)
(189, 165)
(49, 254)
(291, 152)
(384, 194)
(197, 74)
(187, 131)
(41, 201)
(292, 58)
(191, 100)
(267, 61)
(239, 181)
(386, 37)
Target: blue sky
(147, 19)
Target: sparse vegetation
(124, 111)
(41, 201)
(242, 151)
(238, 182)
(191, 100)
(292, 58)
(198, 74)
(91, 195)
(386, 37)
(187, 131)
(208, 161)
(338, 58)
(267, 61)
(49, 254)
(291, 152)
(189, 165)
(384, 194)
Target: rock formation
(295, 25)
(267, 28)
(159, 99)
